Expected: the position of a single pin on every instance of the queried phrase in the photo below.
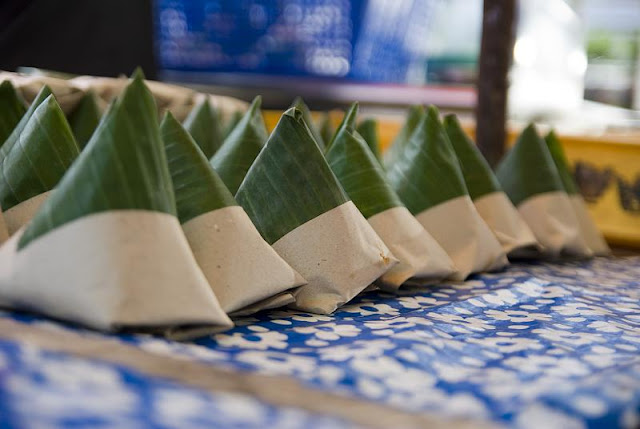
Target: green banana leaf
(241, 148)
(562, 164)
(231, 123)
(528, 168)
(348, 124)
(11, 109)
(85, 118)
(198, 188)
(478, 175)
(290, 182)
(203, 123)
(361, 174)
(413, 117)
(123, 166)
(326, 128)
(368, 129)
(45, 91)
(427, 173)
(299, 104)
(39, 158)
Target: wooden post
(495, 59)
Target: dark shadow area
(96, 37)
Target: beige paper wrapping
(420, 255)
(459, 229)
(339, 255)
(281, 300)
(112, 270)
(21, 214)
(588, 228)
(505, 222)
(240, 266)
(176, 99)
(105, 88)
(4, 232)
(554, 224)
(227, 106)
(28, 86)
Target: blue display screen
(363, 40)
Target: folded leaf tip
(168, 118)
(433, 111)
(44, 92)
(530, 130)
(49, 100)
(295, 113)
(256, 103)
(138, 74)
(451, 119)
(351, 115)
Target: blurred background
(382, 52)
(575, 65)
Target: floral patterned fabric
(49, 390)
(538, 345)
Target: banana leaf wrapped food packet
(10, 141)
(530, 178)
(428, 179)
(241, 147)
(299, 104)
(485, 191)
(106, 249)
(299, 207)
(242, 269)
(325, 127)
(17, 129)
(33, 160)
(363, 178)
(84, 119)
(413, 117)
(368, 130)
(588, 228)
(204, 125)
(231, 123)
(12, 108)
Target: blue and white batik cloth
(538, 345)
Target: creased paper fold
(420, 255)
(339, 255)
(459, 229)
(242, 269)
(20, 214)
(505, 222)
(126, 269)
(555, 225)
